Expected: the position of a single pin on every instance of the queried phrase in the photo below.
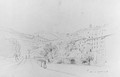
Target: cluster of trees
(69, 52)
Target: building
(91, 40)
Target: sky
(31, 16)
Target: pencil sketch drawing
(83, 47)
(59, 38)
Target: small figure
(43, 62)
